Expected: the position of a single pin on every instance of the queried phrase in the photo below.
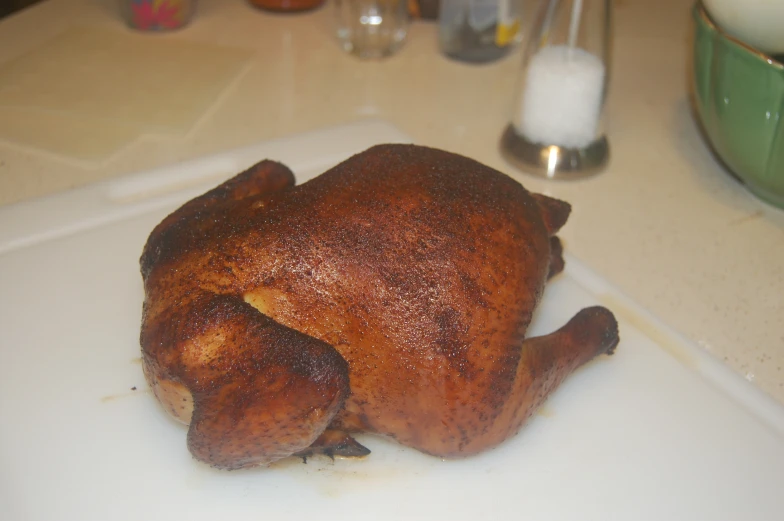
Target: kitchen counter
(665, 222)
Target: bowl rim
(702, 12)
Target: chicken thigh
(389, 295)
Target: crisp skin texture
(390, 295)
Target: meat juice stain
(387, 464)
(330, 477)
(114, 397)
(134, 389)
(647, 328)
(545, 412)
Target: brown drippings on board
(649, 329)
(133, 392)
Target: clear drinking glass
(557, 127)
(372, 28)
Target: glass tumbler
(372, 28)
(557, 128)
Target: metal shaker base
(551, 161)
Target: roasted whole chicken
(389, 295)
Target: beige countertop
(665, 222)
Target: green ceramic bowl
(739, 98)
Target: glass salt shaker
(557, 128)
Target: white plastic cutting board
(658, 431)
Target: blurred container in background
(759, 23)
(372, 28)
(157, 15)
(738, 95)
(286, 6)
(478, 31)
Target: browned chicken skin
(389, 295)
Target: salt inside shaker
(557, 126)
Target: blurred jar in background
(372, 28)
(287, 5)
(424, 9)
(157, 15)
(478, 31)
